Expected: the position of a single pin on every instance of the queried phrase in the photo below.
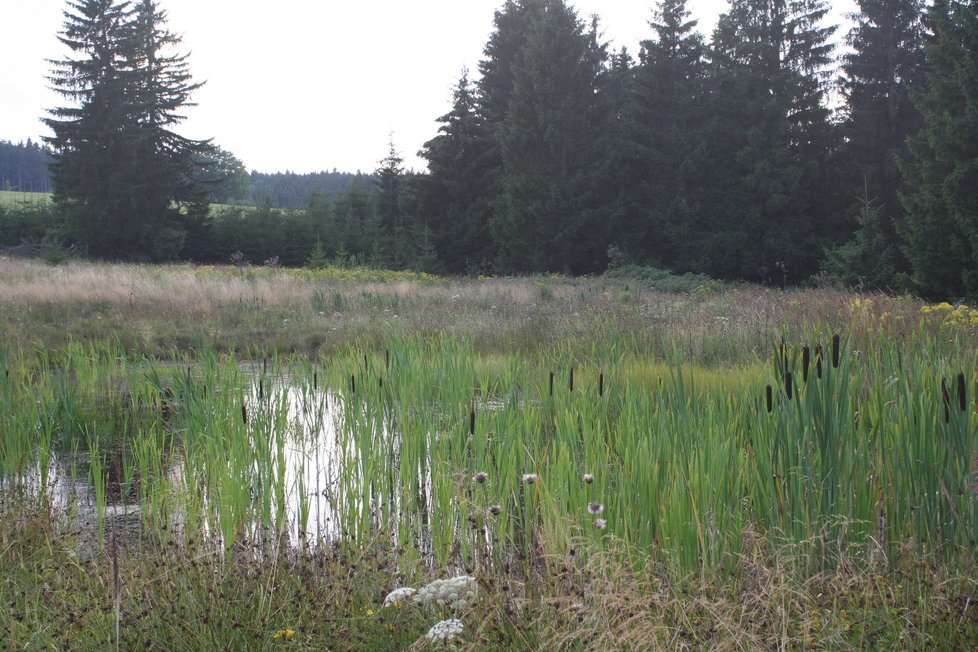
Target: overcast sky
(307, 85)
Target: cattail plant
(962, 393)
(946, 400)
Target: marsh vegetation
(616, 467)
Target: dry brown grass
(770, 599)
(154, 309)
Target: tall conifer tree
(118, 166)
(941, 169)
(669, 116)
(770, 143)
(547, 143)
(885, 62)
(390, 176)
(457, 192)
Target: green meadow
(10, 197)
(250, 458)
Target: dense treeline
(24, 167)
(718, 156)
(294, 190)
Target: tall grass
(867, 451)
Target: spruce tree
(770, 188)
(120, 172)
(619, 167)
(940, 226)
(395, 244)
(547, 141)
(669, 114)
(885, 63)
(455, 196)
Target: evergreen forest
(761, 152)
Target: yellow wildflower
(284, 634)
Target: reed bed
(869, 455)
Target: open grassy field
(8, 197)
(250, 458)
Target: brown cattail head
(806, 359)
(472, 421)
(770, 399)
(315, 380)
(787, 384)
(244, 414)
(818, 360)
(353, 383)
(570, 384)
(601, 384)
(387, 359)
(836, 341)
(551, 383)
(946, 400)
(962, 394)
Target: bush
(663, 279)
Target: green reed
(860, 451)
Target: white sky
(308, 85)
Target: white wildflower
(529, 478)
(600, 523)
(455, 593)
(445, 630)
(397, 596)
(595, 508)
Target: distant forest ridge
(293, 190)
(24, 168)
